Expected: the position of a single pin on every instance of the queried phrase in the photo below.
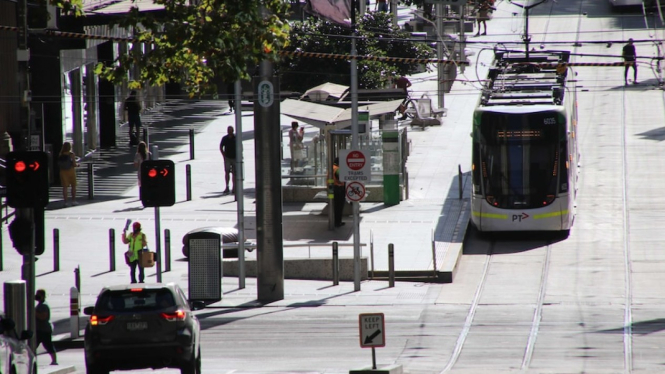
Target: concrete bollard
(74, 309)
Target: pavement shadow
(167, 126)
(657, 134)
(460, 186)
(640, 328)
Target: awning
(325, 91)
(328, 117)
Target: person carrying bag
(137, 241)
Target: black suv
(142, 326)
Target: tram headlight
(548, 199)
(491, 200)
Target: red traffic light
(19, 166)
(152, 173)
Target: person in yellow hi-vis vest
(137, 241)
(339, 199)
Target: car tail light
(100, 321)
(178, 315)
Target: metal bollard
(74, 309)
(112, 249)
(459, 180)
(56, 250)
(335, 263)
(77, 278)
(154, 152)
(167, 250)
(391, 265)
(91, 181)
(188, 181)
(191, 144)
(145, 135)
(371, 254)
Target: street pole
(23, 57)
(354, 146)
(238, 184)
(462, 39)
(440, 68)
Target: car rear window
(135, 301)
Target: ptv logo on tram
(520, 217)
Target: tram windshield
(520, 156)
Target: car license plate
(137, 326)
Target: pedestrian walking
(483, 15)
(295, 143)
(141, 155)
(630, 59)
(231, 90)
(403, 83)
(228, 148)
(339, 192)
(67, 165)
(137, 241)
(43, 325)
(133, 109)
(381, 6)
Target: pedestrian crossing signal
(27, 179)
(157, 183)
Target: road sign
(354, 166)
(372, 330)
(447, 2)
(355, 191)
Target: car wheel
(193, 366)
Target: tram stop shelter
(308, 183)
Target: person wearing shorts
(228, 148)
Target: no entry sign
(354, 166)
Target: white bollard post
(74, 310)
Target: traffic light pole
(23, 57)
(158, 246)
(28, 273)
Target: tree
(199, 42)
(377, 37)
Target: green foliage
(377, 37)
(203, 44)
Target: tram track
(505, 248)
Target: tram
(525, 155)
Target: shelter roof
(328, 117)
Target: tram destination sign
(354, 166)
